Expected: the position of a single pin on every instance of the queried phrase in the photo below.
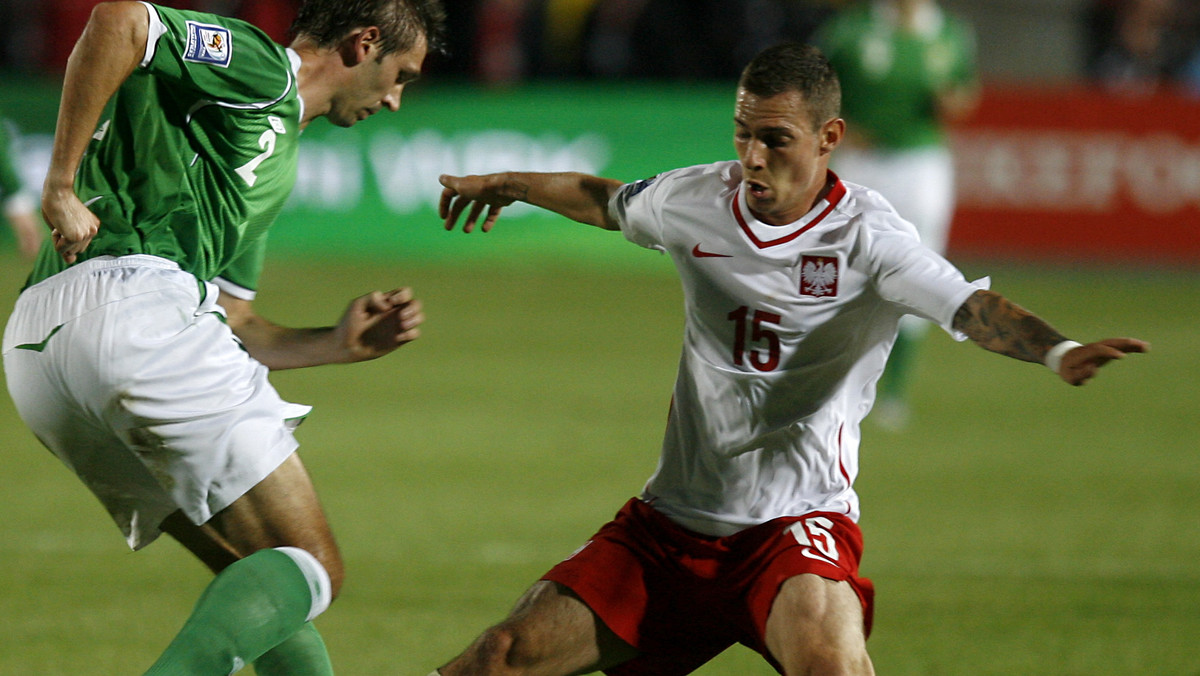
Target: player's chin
(760, 203)
(345, 121)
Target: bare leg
(816, 627)
(282, 510)
(551, 632)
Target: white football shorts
(125, 369)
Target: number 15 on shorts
(813, 534)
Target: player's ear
(831, 134)
(360, 45)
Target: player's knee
(502, 651)
(496, 648)
(332, 562)
(832, 661)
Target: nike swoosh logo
(705, 254)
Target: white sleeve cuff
(239, 292)
(1055, 355)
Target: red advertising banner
(1079, 174)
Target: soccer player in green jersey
(907, 69)
(17, 203)
(134, 353)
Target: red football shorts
(681, 598)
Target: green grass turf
(1017, 526)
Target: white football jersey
(787, 330)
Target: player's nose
(392, 100)
(754, 156)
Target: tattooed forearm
(999, 325)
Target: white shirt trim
(157, 30)
(296, 61)
(239, 292)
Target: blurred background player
(18, 204)
(907, 69)
(134, 352)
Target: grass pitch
(1017, 526)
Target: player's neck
(312, 81)
(826, 188)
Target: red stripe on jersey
(841, 463)
(835, 195)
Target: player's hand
(477, 192)
(72, 226)
(378, 323)
(1081, 364)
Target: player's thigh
(554, 632)
(816, 624)
(281, 510)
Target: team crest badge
(819, 276)
(209, 44)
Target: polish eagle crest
(819, 276)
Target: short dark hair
(400, 22)
(792, 66)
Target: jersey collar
(764, 236)
(294, 59)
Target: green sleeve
(10, 179)
(245, 270)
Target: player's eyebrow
(407, 76)
(782, 131)
(778, 130)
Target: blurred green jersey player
(907, 69)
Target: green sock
(252, 606)
(302, 654)
(894, 382)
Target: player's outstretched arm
(579, 197)
(112, 45)
(373, 325)
(999, 325)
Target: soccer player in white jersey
(794, 285)
(134, 353)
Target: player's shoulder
(205, 39)
(955, 26)
(724, 172)
(704, 178)
(847, 24)
(871, 211)
(175, 15)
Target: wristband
(1054, 356)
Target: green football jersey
(889, 77)
(196, 153)
(10, 180)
